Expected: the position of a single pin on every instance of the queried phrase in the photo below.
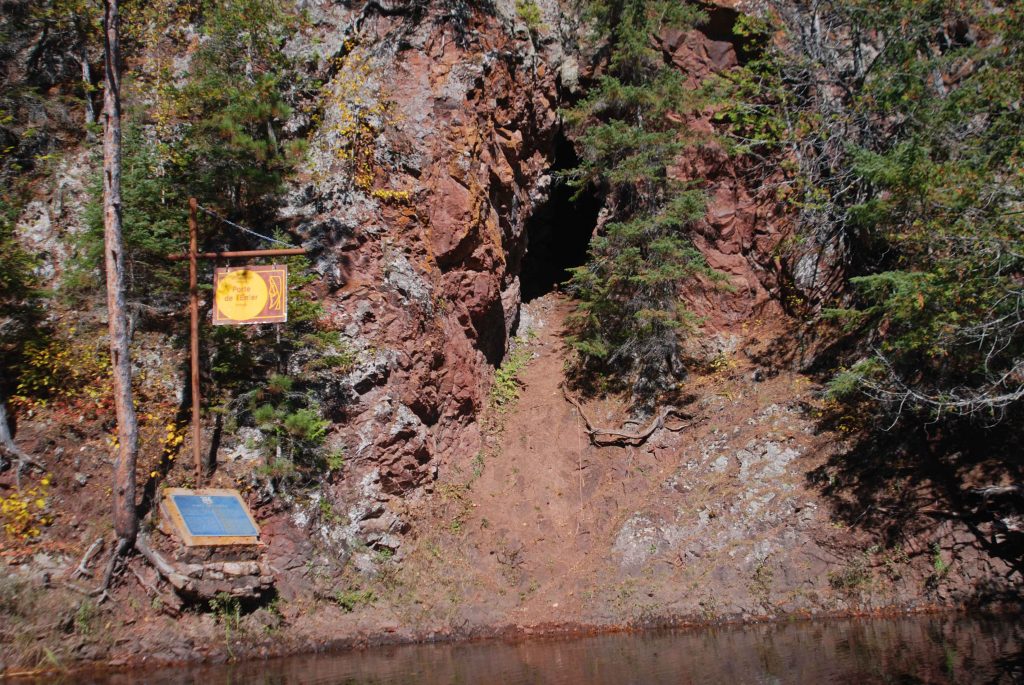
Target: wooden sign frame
(169, 509)
(193, 256)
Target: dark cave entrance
(558, 233)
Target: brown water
(929, 649)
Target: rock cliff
(427, 198)
(420, 257)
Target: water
(929, 649)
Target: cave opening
(558, 233)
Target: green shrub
(528, 11)
(505, 389)
(352, 598)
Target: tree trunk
(9, 450)
(125, 519)
(6, 439)
(90, 116)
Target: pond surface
(921, 649)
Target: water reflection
(933, 649)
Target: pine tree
(18, 313)
(629, 317)
(942, 309)
(231, 106)
(902, 123)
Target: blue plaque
(210, 517)
(214, 515)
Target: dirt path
(533, 518)
(535, 493)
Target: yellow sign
(251, 294)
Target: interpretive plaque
(211, 516)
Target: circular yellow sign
(241, 295)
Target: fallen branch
(83, 566)
(619, 436)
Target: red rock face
(424, 287)
(744, 227)
(429, 289)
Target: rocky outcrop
(421, 263)
(420, 257)
(744, 226)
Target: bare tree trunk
(9, 449)
(90, 116)
(125, 519)
(6, 439)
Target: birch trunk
(90, 116)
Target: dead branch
(998, 490)
(618, 436)
(83, 565)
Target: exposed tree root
(103, 591)
(170, 604)
(206, 580)
(83, 565)
(163, 567)
(604, 437)
(146, 585)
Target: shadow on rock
(951, 492)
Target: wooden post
(193, 289)
(193, 256)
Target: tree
(69, 26)
(629, 317)
(125, 517)
(231, 106)
(17, 314)
(901, 121)
(155, 207)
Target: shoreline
(508, 633)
